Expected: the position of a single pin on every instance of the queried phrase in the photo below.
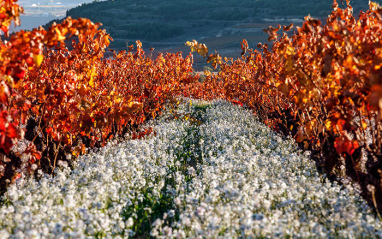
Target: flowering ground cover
(211, 170)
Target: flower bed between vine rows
(210, 170)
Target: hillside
(221, 24)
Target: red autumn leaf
(345, 145)
(237, 102)
(12, 131)
(19, 74)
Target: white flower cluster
(92, 200)
(251, 183)
(215, 172)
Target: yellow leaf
(290, 50)
(364, 124)
(38, 59)
(60, 37)
(75, 153)
(118, 99)
(92, 74)
(9, 80)
(328, 124)
(91, 82)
